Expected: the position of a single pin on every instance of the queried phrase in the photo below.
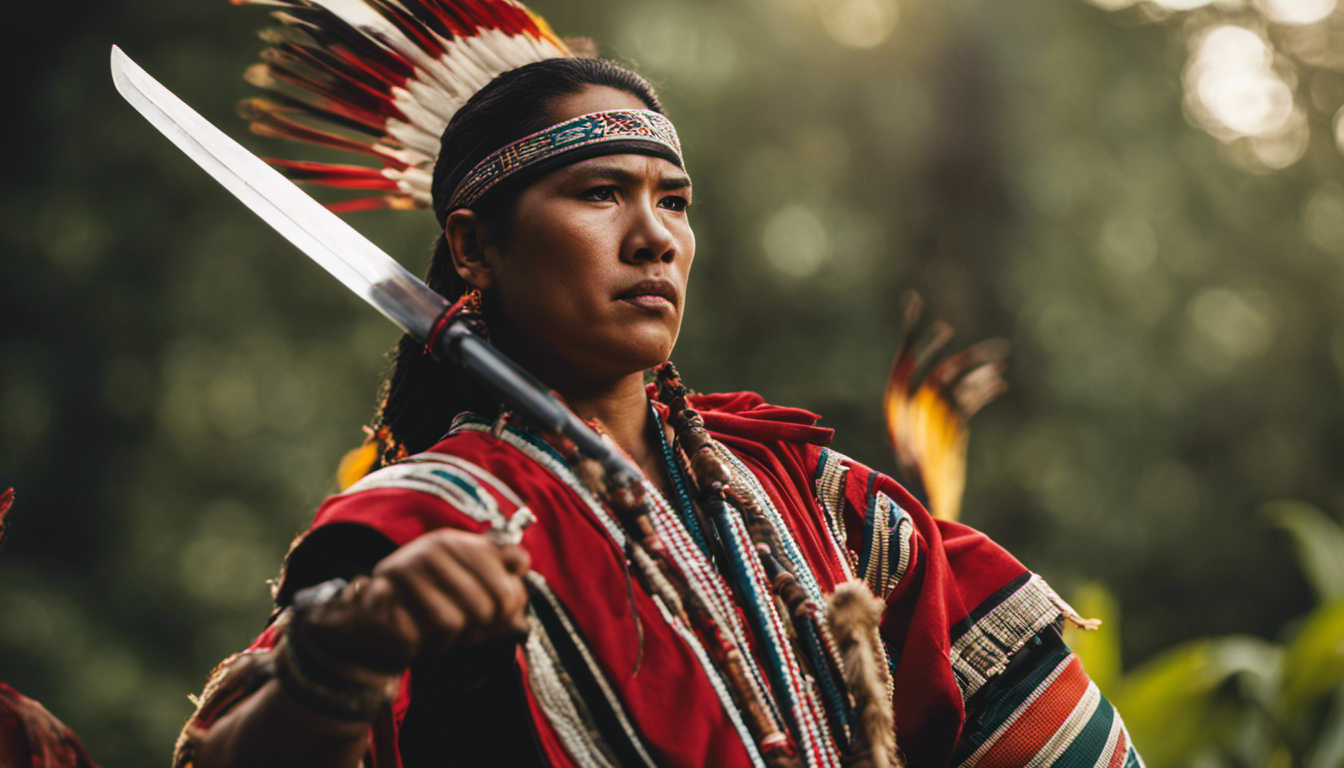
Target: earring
(471, 301)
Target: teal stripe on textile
(899, 539)
(841, 716)
(470, 488)
(1003, 702)
(1091, 739)
(537, 440)
(822, 458)
(871, 506)
(1132, 759)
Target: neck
(615, 399)
(623, 410)
(621, 407)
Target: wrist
(320, 681)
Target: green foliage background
(176, 383)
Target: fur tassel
(854, 616)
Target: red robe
(959, 607)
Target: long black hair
(420, 394)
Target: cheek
(690, 252)
(553, 281)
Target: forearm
(270, 728)
(340, 653)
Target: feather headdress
(382, 78)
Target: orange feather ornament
(929, 402)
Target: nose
(649, 239)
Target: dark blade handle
(524, 392)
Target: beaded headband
(639, 131)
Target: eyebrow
(626, 177)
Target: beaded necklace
(684, 507)
(796, 701)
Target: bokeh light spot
(1339, 129)
(1228, 326)
(1285, 147)
(1323, 217)
(224, 563)
(1233, 90)
(859, 23)
(795, 241)
(231, 400)
(692, 46)
(1128, 244)
(26, 407)
(1182, 5)
(112, 676)
(1296, 11)
(1249, 103)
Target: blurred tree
(177, 385)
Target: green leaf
(1328, 750)
(1177, 705)
(1319, 541)
(1313, 661)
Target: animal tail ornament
(928, 406)
(854, 614)
(381, 79)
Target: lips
(653, 294)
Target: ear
(467, 241)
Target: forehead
(626, 167)
(593, 98)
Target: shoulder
(747, 415)
(450, 486)
(455, 483)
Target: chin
(641, 357)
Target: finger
(486, 562)
(438, 615)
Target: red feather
(412, 28)
(394, 202)
(6, 501)
(332, 175)
(351, 85)
(273, 124)
(341, 87)
(449, 25)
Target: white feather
(414, 137)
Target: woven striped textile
(1052, 715)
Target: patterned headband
(640, 131)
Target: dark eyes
(608, 193)
(675, 203)
(600, 194)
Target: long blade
(319, 233)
